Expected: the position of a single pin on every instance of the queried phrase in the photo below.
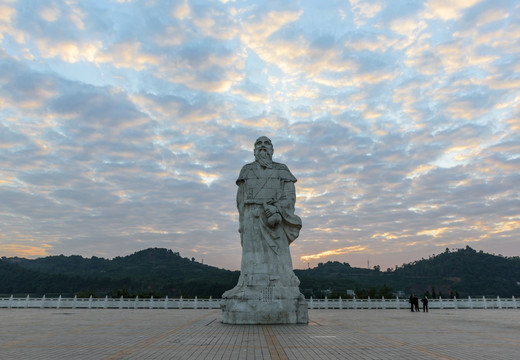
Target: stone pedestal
(264, 305)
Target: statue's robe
(267, 291)
(266, 259)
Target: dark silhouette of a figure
(424, 301)
(416, 303)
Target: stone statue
(267, 291)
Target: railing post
(369, 303)
(135, 302)
(398, 302)
(440, 303)
(514, 303)
(355, 302)
(499, 303)
(151, 302)
(10, 301)
(470, 303)
(166, 302)
(59, 302)
(180, 302)
(311, 305)
(43, 302)
(210, 303)
(383, 305)
(196, 303)
(74, 301)
(340, 303)
(485, 303)
(326, 303)
(455, 304)
(27, 301)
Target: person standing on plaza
(424, 301)
(416, 303)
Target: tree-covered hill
(157, 272)
(335, 278)
(465, 271)
(19, 280)
(160, 272)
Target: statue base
(249, 305)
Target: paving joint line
(276, 350)
(145, 343)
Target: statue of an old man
(267, 291)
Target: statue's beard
(264, 158)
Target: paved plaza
(199, 334)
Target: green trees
(151, 272)
(160, 272)
(465, 272)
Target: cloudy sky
(124, 124)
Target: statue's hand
(270, 210)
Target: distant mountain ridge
(151, 272)
(159, 272)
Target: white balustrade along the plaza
(181, 303)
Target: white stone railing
(108, 303)
(469, 303)
(180, 303)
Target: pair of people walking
(414, 303)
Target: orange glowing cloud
(324, 254)
(26, 251)
(434, 232)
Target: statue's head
(264, 151)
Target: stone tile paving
(199, 334)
